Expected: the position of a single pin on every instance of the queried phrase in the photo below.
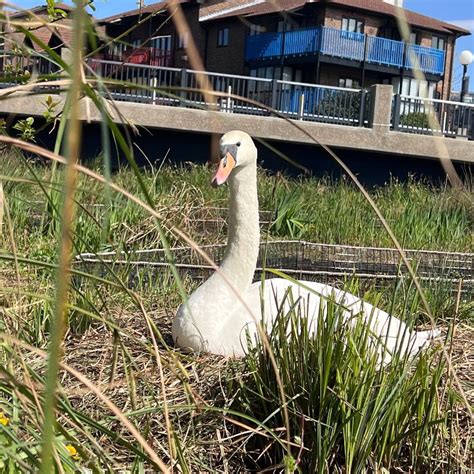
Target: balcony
(342, 44)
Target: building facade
(346, 43)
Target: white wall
(399, 3)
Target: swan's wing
(388, 333)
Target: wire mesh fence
(305, 261)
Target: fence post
(229, 102)
(154, 85)
(183, 83)
(396, 111)
(301, 107)
(381, 107)
(363, 95)
(274, 102)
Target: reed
(88, 375)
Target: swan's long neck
(240, 258)
(212, 305)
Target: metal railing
(17, 68)
(433, 117)
(181, 88)
(344, 44)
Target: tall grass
(88, 377)
(347, 414)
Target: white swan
(213, 319)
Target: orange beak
(226, 165)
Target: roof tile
(374, 6)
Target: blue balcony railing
(345, 45)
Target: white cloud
(468, 24)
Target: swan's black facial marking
(232, 149)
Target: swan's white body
(215, 319)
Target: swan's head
(236, 150)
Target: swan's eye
(238, 143)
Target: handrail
(143, 66)
(439, 101)
(233, 76)
(319, 86)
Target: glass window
(349, 83)
(413, 38)
(406, 86)
(287, 73)
(281, 26)
(414, 87)
(352, 25)
(423, 90)
(223, 37)
(183, 40)
(256, 29)
(161, 42)
(437, 42)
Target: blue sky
(460, 12)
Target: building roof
(37, 10)
(146, 10)
(250, 8)
(216, 8)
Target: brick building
(348, 43)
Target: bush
(415, 119)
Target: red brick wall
(229, 59)
(448, 69)
(334, 18)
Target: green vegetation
(416, 120)
(89, 377)
(423, 217)
(340, 406)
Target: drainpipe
(206, 44)
(318, 56)
(282, 55)
(448, 69)
(364, 60)
(402, 74)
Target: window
(136, 43)
(256, 30)
(162, 43)
(349, 83)
(413, 38)
(183, 40)
(223, 37)
(352, 25)
(437, 42)
(415, 88)
(282, 27)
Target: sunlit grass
(123, 398)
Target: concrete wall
(378, 139)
